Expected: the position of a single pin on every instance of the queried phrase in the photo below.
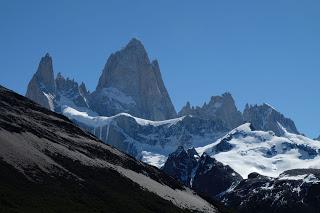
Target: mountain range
(50, 165)
(214, 149)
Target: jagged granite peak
(131, 83)
(193, 153)
(203, 174)
(180, 165)
(69, 90)
(41, 88)
(55, 93)
(219, 107)
(45, 73)
(129, 58)
(83, 89)
(265, 117)
(212, 177)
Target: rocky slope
(48, 164)
(293, 191)
(203, 174)
(181, 164)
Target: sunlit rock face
(56, 93)
(41, 88)
(219, 108)
(131, 83)
(265, 117)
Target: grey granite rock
(203, 174)
(181, 164)
(69, 93)
(266, 118)
(219, 107)
(293, 191)
(55, 93)
(41, 88)
(131, 83)
(213, 178)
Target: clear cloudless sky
(260, 51)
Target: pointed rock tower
(131, 83)
(41, 88)
(56, 94)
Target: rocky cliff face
(41, 88)
(262, 117)
(219, 107)
(203, 174)
(70, 94)
(56, 93)
(266, 118)
(293, 191)
(212, 177)
(181, 165)
(131, 83)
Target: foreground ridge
(48, 162)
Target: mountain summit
(219, 107)
(131, 83)
(265, 117)
(42, 83)
(56, 93)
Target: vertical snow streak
(108, 126)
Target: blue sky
(260, 51)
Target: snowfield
(146, 140)
(99, 121)
(243, 149)
(247, 151)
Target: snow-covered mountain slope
(48, 163)
(294, 190)
(152, 141)
(246, 150)
(149, 141)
